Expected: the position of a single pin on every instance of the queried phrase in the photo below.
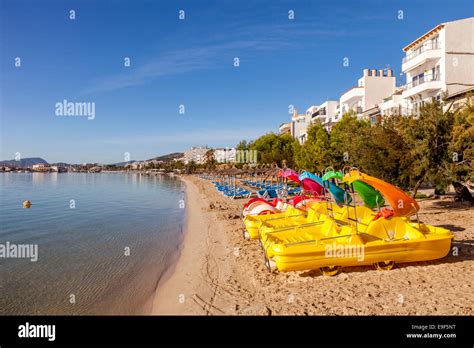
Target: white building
(285, 128)
(225, 155)
(440, 61)
(196, 154)
(137, 165)
(300, 124)
(41, 167)
(392, 105)
(365, 98)
(327, 114)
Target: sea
(103, 241)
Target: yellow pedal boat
(327, 226)
(358, 239)
(385, 243)
(253, 222)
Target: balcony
(396, 111)
(352, 96)
(424, 84)
(427, 52)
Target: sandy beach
(220, 273)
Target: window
(418, 79)
(435, 73)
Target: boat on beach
(332, 234)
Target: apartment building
(41, 167)
(327, 113)
(225, 155)
(300, 124)
(371, 89)
(196, 154)
(285, 128)
(440, 62)
(393, 105)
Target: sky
(186, 62)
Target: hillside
(168, 157)
(24, 162)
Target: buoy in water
(26, 204)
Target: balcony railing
(426, 47)
(422, 79)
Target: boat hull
(359, 250)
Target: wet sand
(220, 273)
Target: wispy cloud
(171, 63)
(246, 40)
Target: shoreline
(220, 273)
(187, 286)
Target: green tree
(348, 137)
(191, 167)
(427, 138)
(272, 148)
(243, 145)
(314, 155)
(461, 147)
(381, 151)
(209, 160)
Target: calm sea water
(82, 251)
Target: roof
(312, 108)
(350, 89)
(465, 91)
(423, 37)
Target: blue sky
(189, 62)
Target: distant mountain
(121, 164)
(168, 157)
(28, 162)
(165, 158)
(24, 162)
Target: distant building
(285, 128)
(439, 65)
(459, 100)
(392, 105)
(97, 169)
(326, 113)
(300, 124)
(225, 155)
(196, 154)
(365, 98)
(136, 165)
(58, 169)
(41, 167)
